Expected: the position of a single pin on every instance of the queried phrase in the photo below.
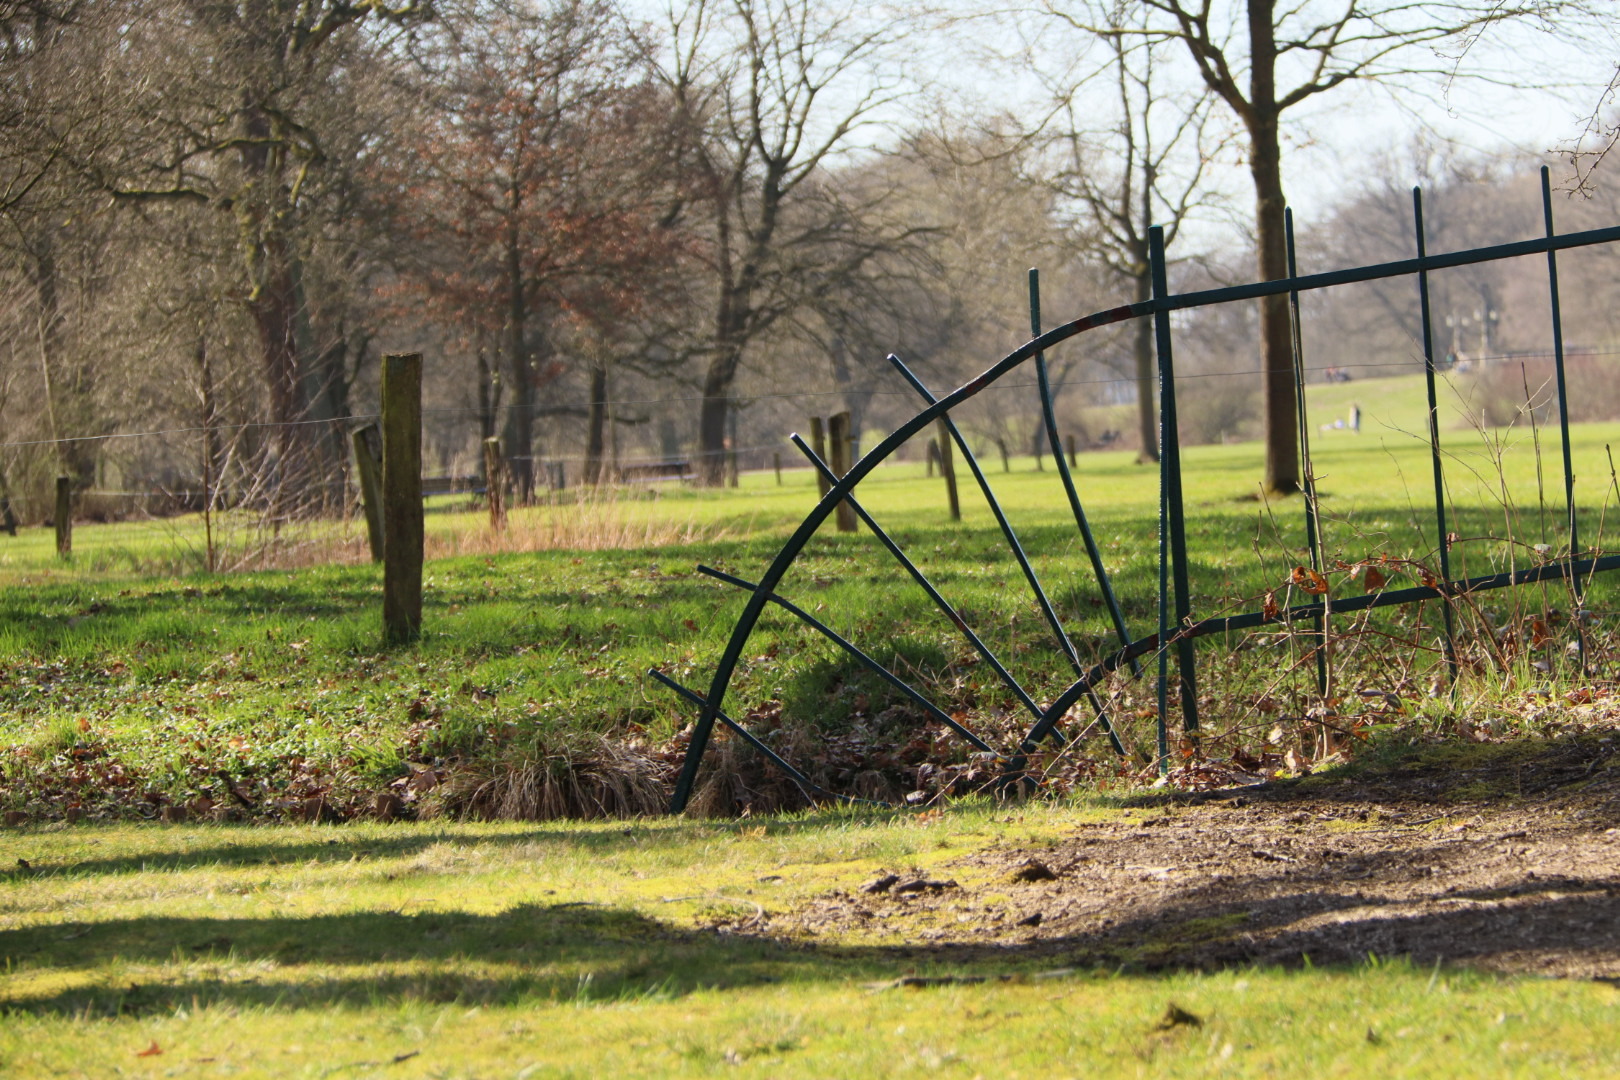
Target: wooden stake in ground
(64, 516)
(776, 460)
(494, 484)
(402, 497)
(1073, 459)
(947, 469)
(840, 443)
(818, 443)
(368, 468)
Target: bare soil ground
(1503, 857)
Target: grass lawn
(132, 684)
(569, 949)
(120, 686)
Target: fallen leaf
(151, 1051)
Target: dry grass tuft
(589, 777)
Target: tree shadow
(225, 847)
(588, 953)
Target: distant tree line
(618, 237)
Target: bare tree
(1147, 167)
(773, 92)
(1263, 59)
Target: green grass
(571, 949)
(116, 683)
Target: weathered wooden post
(64, 517)
(368, 468)
(1073, 460)
(776, 460)
(947, 469)
(818, 443)
(932, 455)
(495, 484)
(402, 497)
(840, 445)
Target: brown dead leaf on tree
(1309, 580)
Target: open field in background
(1384, 466)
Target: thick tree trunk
(489, 397)
(1278, 406)
(275, 317)
(1147, 412)
(1265, 167)
(519, 431)
(596, 424)
(713, 415)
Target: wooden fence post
(776, 460)
(932, 454)
(947, 468)
(494, 484)
(64, 516)
(1073, 460)
(368, 467)
(840, 444)
(402, 497)
(818, 443)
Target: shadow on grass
(217, 847)
(567, 952)
(1452, 776)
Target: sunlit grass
(578, 950)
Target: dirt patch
(1506, 858)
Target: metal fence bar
(1172, 516)
(1011, 536)
(1558, 369)
(1313, 513)
(1434, 433)
(927, 586)
(1378, 271)
(1250, 620)
(1049, 418)
(850, 647)
(805, 784)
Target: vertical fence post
(1172, 519)
(1313, 514)
(402, 497)
(368, 469)
(947, 468)
(495, 484)
(818, 443)
(839, 444)
(1074, 459)
(1434, 439)
(1576, 585)
(64, 516)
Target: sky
(1524, 86)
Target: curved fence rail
(1177, 628)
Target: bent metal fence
(1177, 625)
